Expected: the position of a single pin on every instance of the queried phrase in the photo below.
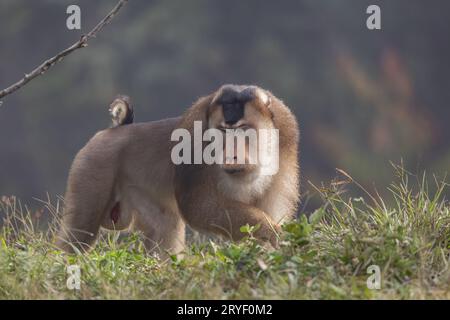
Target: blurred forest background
(363, 98)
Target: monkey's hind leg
(86, 201)
(164, 238)
(163, 228)
(79, 226)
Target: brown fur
(121, 111)
(132, 165)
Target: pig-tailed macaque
(127, 178)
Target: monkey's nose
(236, 94)
(232, 112)
(233, 99)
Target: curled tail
(121, 111)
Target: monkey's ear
(264, 96)
(269, 101)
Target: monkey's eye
(244, 127)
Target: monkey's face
(240, 112)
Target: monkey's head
(121, 111)
(240, 112)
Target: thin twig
(47, 64)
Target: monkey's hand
(268, 234)
(227, 218)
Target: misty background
(363, 98)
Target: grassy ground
(323, 257)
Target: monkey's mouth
(237, 169)
(234, 170)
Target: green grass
(323, 257)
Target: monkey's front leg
(227, 218)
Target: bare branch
(47, 64)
